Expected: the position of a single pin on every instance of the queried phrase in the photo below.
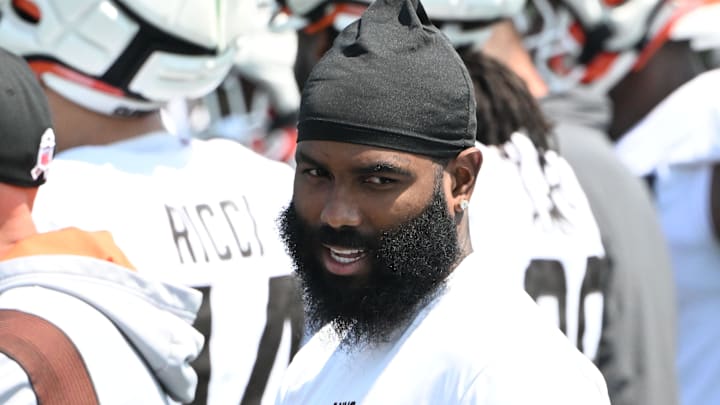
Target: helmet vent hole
(27, 10)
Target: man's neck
(77, 126)
(16, 221)
(505, 44)
(464, 241)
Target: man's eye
(316, 172)
(379, 180)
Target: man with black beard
(409, 268)
(405, 313)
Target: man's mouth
(346, 256)
(345, 261)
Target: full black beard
(409, 266)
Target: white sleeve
(15, 388)
(682, 129)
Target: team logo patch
(45, 154)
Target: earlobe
(464, 204)
(465, 168)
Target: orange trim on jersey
(664, 34)
(599, 66)
(328, 19)
(28, 8)
(42, 66)
(70, 241)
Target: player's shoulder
(232, 155)
(509, 342)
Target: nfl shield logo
(45, 155)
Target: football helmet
(598, 42)
(122, 57)
(464, 22)
(467, 22)
(312, 16)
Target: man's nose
(341, 210)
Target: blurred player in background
(198, 212)
(257, 102)
(649, 57)
(635, 349)
(105, 315)
(638, 292)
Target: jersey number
(547, 278)
(283, 304)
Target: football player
(197, 212)
(540, 219)
(665, 124)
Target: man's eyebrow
(378, 167)
(383, 167)
(305, 158)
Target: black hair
(504, 103)
(504, 106)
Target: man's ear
(464, 170)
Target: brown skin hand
(639, 92)
(371, 189)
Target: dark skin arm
(715, 199)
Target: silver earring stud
(464, 204)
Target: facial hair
(409, 266)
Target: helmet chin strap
(96, 100)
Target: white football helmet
(122, 57)
(467, 22)
(464, 22)
(598, 42)
(312, 16)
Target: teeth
(344, 260)
(341, 255)
(346, 251)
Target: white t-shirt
(557, 259)
(678, 143)
(482, 341)
(200, 213)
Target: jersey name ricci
(217, 231)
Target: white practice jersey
(678, 144)
(539, 221)
(201, 213)
(480, 342)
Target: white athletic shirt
(558, 261)
(678, 143)
(201, 213)
(482, 341)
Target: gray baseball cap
(27, 141)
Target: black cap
(392, 80)
(27, 141)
